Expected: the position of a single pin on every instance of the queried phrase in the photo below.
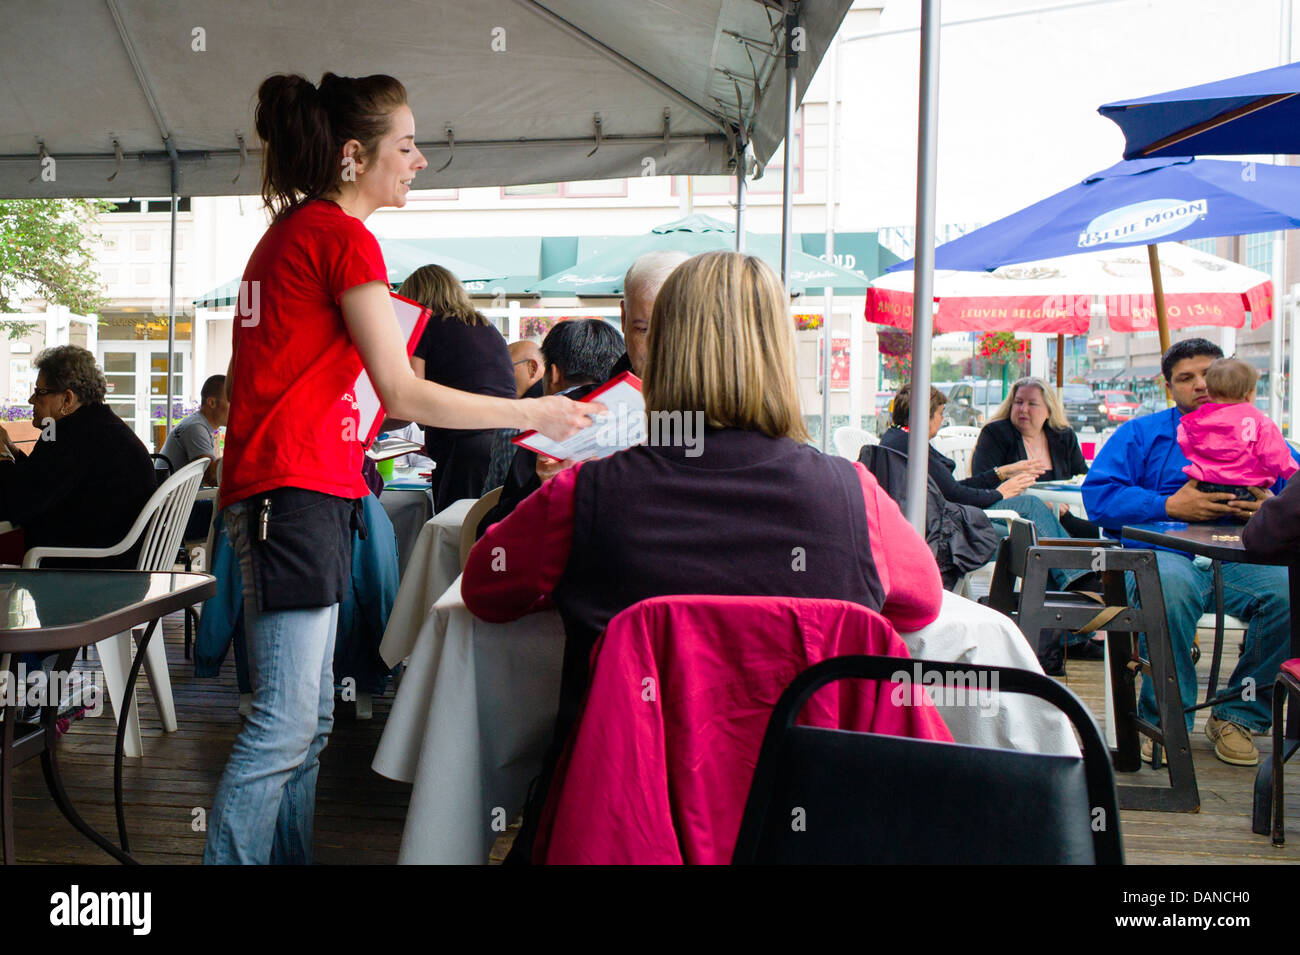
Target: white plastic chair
(159, 528)
(848, 441)
(960, 447)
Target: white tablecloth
(476, 709)
(409, 509)
(434, 563)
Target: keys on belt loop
(264, 519)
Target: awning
(528, 91)
(1137, 373)
(401, 256)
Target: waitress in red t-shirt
(314, 308)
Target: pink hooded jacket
(1234, 444)
(659, 767)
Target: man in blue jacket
(1138, 478)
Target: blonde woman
(717, 516)
(1030, 425)
(461, 349)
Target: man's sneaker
(1232, 743)
(1148, 750)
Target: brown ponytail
(304, 129)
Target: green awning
(601, 272)
(402, 257)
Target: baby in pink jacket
(1232, 444)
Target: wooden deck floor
(359, 814)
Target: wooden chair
(469, 529)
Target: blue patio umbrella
(1138, 202)
(1252, 114)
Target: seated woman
(88, 475)
(461, 349)
(721, 517)
(985, 487)
(1030, 425)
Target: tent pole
(918, 442)
(791, 103)
(1162, 322)
(740, 190)
(171, 281)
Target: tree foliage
(45, 253)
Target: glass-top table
(60, 611)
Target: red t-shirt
(293, 415)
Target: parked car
(1150, 406)
(1083, 408)
(884, 406)
(970, 402)
(1121, 406)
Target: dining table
(1222, 543)
(59, 612)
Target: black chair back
(162, 468)
(835, 796)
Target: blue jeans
(266, 801)
(1253, 593)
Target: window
(591, 188)
(1203, 245)
(149, 205)
(1258, 251)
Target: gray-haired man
(640, 288)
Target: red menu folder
(412, 317)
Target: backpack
(960, 536)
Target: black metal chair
(835, 796)
(1036, 609)
(1286, 684)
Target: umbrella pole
(918, 440)
(1060, 363)
(171, 287)
(1162, 322)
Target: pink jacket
(1234, 444)
(660, 765)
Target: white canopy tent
(156, 97)
(510, 91)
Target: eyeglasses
(522, 361)
(42, 392)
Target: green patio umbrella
(602, 273)
(401, 257)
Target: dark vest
(750, 515)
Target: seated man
(526, 358)
(578, 355)
(1137, 478)
(641, 287)
(195, 437)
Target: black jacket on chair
(84, 486)
(978, 490)
(1000, 444)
